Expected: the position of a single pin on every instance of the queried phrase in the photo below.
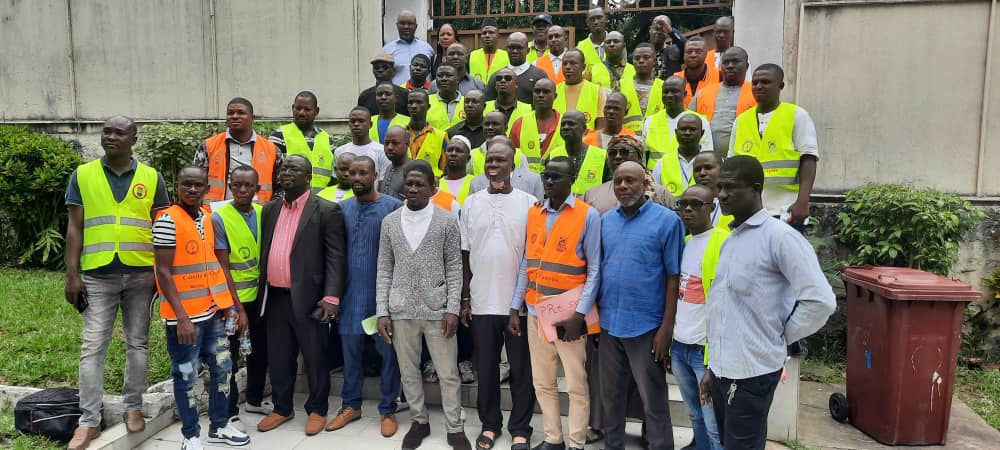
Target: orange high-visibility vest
(196, 273)
(592, 137)
(706, 99)
(553, 265)
(545, 63)
(264, 155)
(711, 77)
(443, 200)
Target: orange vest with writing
(553, 265)
(264, 155)
(196, 273)
(545, 63)
(706, 99)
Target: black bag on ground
(53, 413)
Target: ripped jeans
(212, 347)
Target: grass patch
(822, 372)
(11, 438)
(40, 336)
(980, 389)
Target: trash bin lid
(904, 283)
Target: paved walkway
(364, 433)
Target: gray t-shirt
(391, 182)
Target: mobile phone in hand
(82, 303)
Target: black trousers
(287, 335)
(256, 362)
(741, 408)
(625, 359)
(489, 332)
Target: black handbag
(53, 413)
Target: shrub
(34, 169)
(895, 225)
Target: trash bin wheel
(839, 409)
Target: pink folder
(553, 309)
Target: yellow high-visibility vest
(321, 156)
(437, 115)
(588, 103)
(591, 171)
(477, 63)
(116, 228)
(775, 149)
(398, 119)
(244, 251)
(462, 193)
(531, 142)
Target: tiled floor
(364, 433)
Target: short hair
(400, 128)
(501, 139)
(309, 95)
(715, 156)
(563, 160)
(745, 169)
(421, 166)
(423, 57)
(303, 158)
(366, 159)
(575, 50)
(240, 101)
(344, 155)
(644, 45)
(201, 169)
(696, 38)
(384, 83)
(421, 91)
(247, 169)
(773, 68)
(362, 109)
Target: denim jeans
(688, 364)
(211, 346)
(132, 293)
(354, 373)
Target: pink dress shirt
(279, 267)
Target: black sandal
(526, 445)
(484, 440)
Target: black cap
(489, 22)
(544, 18)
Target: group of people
(496, 215)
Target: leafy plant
(34, 168)
(167, 147)
(896, 225)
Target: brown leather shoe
(273, 420)
(389, 425)
(82, 437)
(134, 422)
(344, 417)
(314, 424)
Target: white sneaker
(235, 422)
(192, 444)
(229, 436)
(265, 408)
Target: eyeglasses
(504, 77)
(555, 177)
(693, 204)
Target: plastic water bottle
(231, 321)
(245, 347)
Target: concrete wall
(84, 60)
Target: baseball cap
(383, 57)
(544, 18)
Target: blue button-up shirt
(362, 223)
(588, 249)
(640, 252)
(403, 52)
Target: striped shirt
(362, 224)
(769, 291)
(165, 236)
(279, 265)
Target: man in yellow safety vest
(303, 137)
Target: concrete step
(432, 394)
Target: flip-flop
(484, 440)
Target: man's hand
(449, 325)
(514, 324)
(661, 346)
(186, 334)
(705, 388)
(385, 329)
(466, 313)
(329, 310)
(242, 320)
(798, 212)
(75, 289)
(575, 326)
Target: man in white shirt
(493, 224)
(673, 108)
(359, 121)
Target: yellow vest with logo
(710, 261)
(588, 103)
(531, 143)
(775, 149)
(116, 228)
(601, 76)
(431, 148)
(634, 117)
(522, 109)
(477, 63)
(398, 119)
(244, 251)
(591, 172)
(661, 141)
(320, 155)
(462, 193)
(330, 193)
(589, 50)
(437, 115)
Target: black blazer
(319, 253)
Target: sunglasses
(505, 78)
(693, 204)
(553, 176)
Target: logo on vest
(591, 175)
(244, 253)
(191, 247)
(671, 186)
(747, 147)
(562, 244)
(586, 115)
(534, 238)
(531, 145)
(139, 191)
(461, 114)
(772, 147)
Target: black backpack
(53, 413)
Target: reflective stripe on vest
(633, 116)
(531, 143)
(775, 149)
(522, 109)
(477, 63)
(587, 103)
(320, 156)
(264, 157)
(553, 267)
(437, 115)
(709, 96)
(398, 119)
(661, 140)
(244, 250)
(330, 193)
(116, 228)
(195, 272)
(463, 192)
(591, 171)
